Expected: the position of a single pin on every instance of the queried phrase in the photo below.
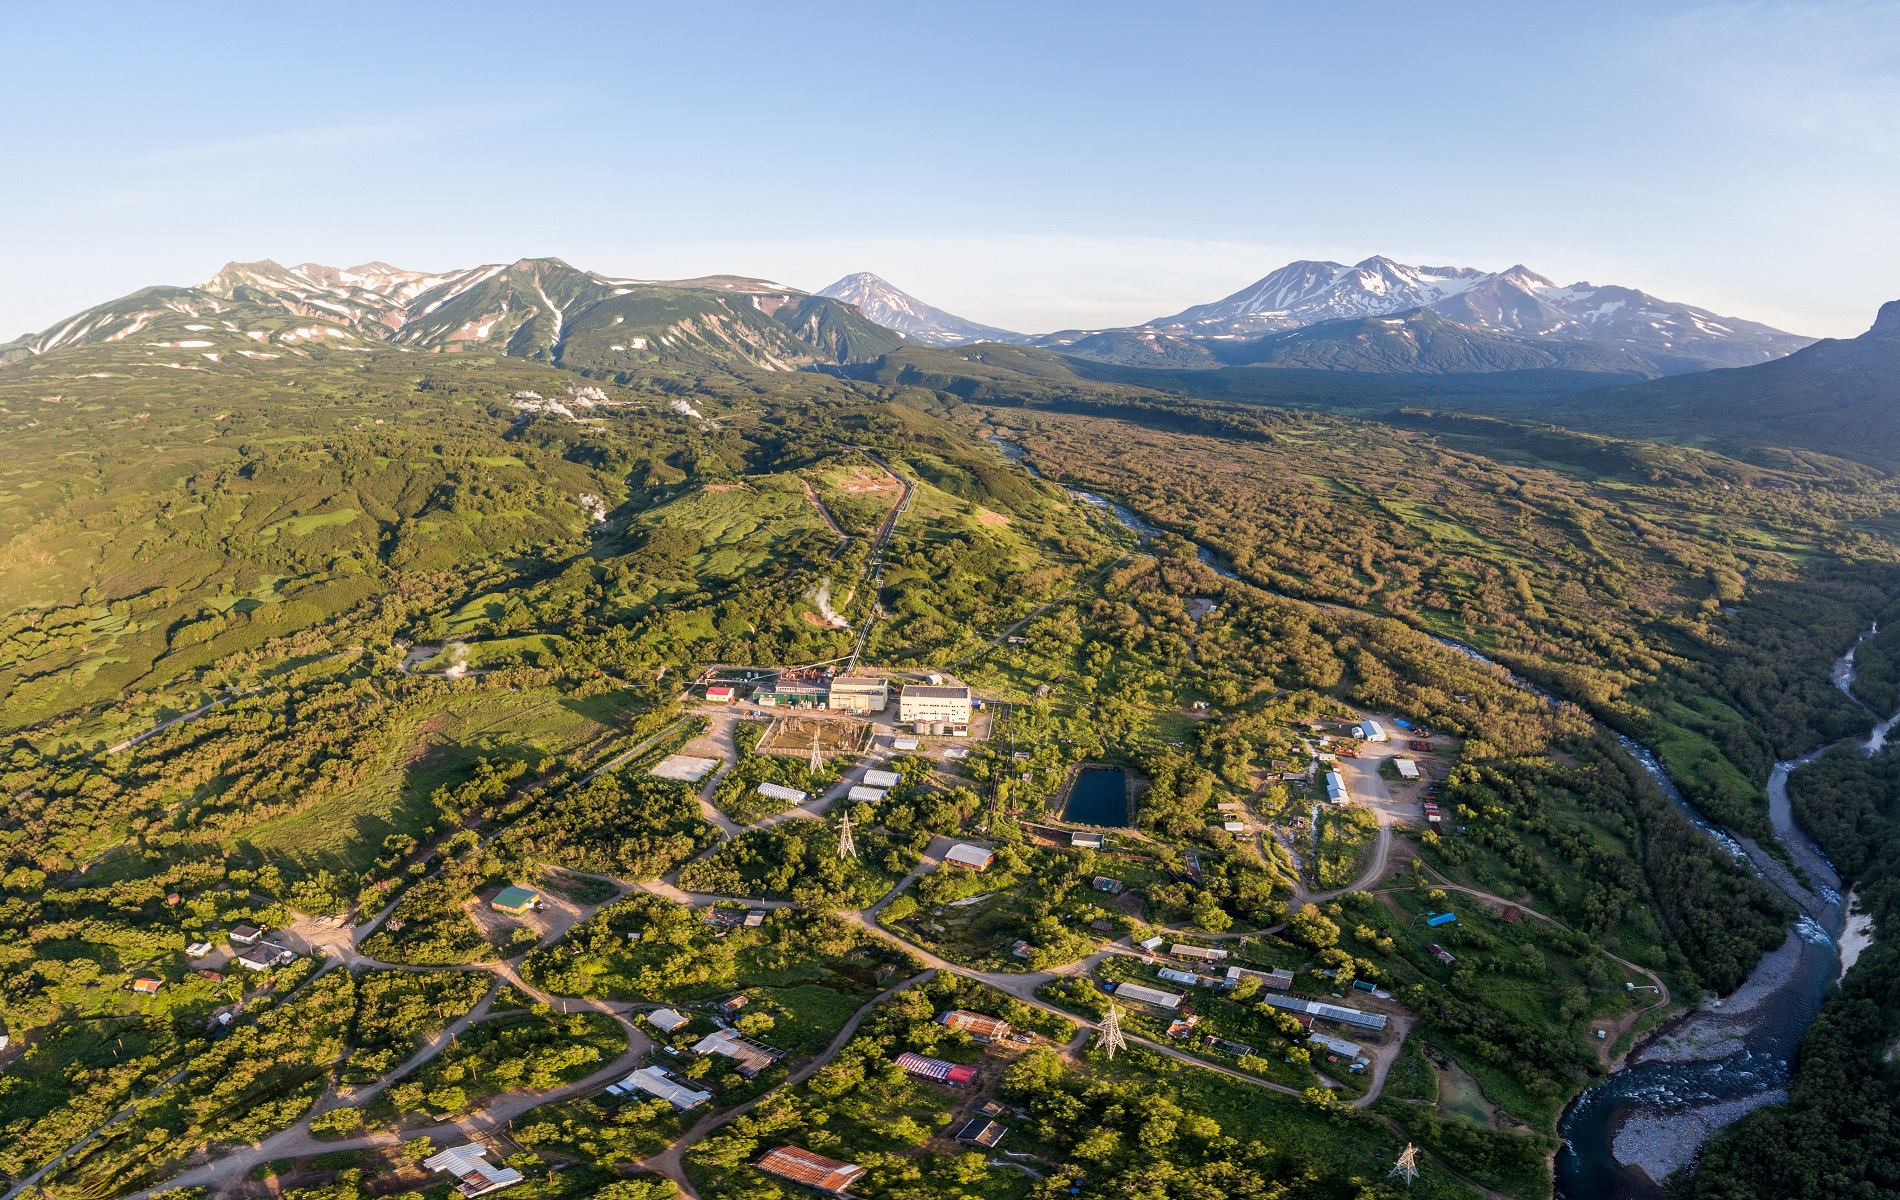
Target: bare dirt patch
(863, 480)
(986, 517)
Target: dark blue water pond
(1100, 797)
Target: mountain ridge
(1516, 302)
(541, 308)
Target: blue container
(1441, 919)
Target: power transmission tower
(845, 848)
(1407, 1166)
(817, 759)
(1112, 1032)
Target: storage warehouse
(666, 1020)
(864, 795)
(933, 703)
(859, 694)
(1369, 730)
(778, 791)
(1336, 787)
(1406, 767)
(882, 779)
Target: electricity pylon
(1112, 1032)
(1407, 1166)
(817, 759)
(845, 848)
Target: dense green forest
(352, 639)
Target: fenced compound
(791, 737)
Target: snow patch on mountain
(898, 310)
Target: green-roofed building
(515, 900)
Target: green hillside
(301, 623)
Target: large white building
(934, 703)
(1370, 730)
(860, 694)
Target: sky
(1035, 166)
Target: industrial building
(935, 705)
(792, 694)
(1175, 976)
(859, 694)
(1369, 730)
(859, 794)
(882, 779)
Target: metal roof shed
(1148, 995)
(965, 855)
(655, 1082)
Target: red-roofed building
(813, 1170)
(720, 693)
(937, 1070)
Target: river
(1711, 1066)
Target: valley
(465, 639)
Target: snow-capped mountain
(898, 310)
(1518, 302)
(533, 308)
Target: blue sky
(1035, 166)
